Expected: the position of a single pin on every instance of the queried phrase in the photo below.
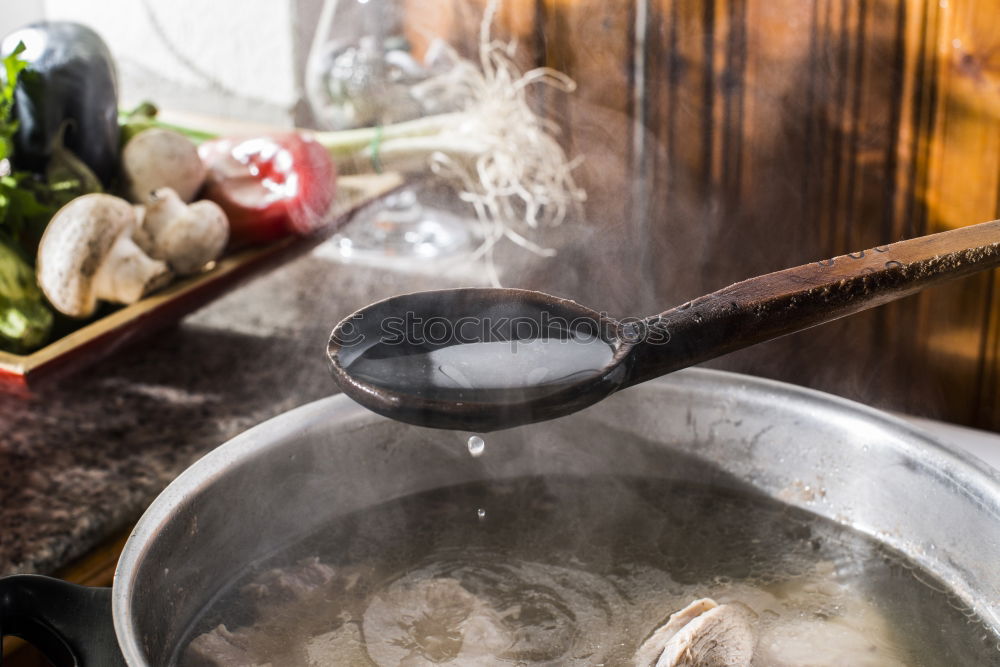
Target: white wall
(224, 57)
(16, 13)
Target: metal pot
(281, 480)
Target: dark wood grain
(784, 302)
(775, 131)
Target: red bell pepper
(269, 186)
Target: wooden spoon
(479, 359)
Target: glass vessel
(361, 73)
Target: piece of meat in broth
(433, 622)
(703, 634)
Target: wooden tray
(97, 339)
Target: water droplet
(476, 445)
(481, 513)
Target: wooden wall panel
(985, 410)
(962, 187)
(458, 22)
(748, 135)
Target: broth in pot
(565, 570)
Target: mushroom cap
(157, 158)
(74, 246)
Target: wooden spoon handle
(787, 301)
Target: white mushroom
(157, 158)
(185, 236)
(88, 253)
(703, 634)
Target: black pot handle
(72, 625)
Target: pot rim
(963, 468)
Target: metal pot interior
(282, 480)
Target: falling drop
(481, 513)
(476, 445)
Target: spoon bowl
(480, 359)
(483, 357)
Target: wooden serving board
(98, 339)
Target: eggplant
(66, 98)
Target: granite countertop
(80, 461)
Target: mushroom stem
(186, 236)
(127, 273)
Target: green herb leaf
(25, 321)
(143, 117)
(12, 67)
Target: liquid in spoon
(481, 370)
